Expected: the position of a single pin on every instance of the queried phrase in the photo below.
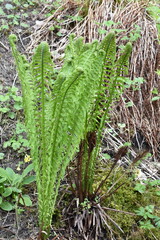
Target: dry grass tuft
(142, 120)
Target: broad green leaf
(26, 200)
(4, 109)
(0, 200)
(17, 190)
(9, 6)
(6, 206)
(11, 173)
(28, 169)
(3, 179)
(106, 156)
(18, 106)
(17, 98)
(3, 173)
(140, 188)
(17, 180)
(4, 98)
(16, 145)
(7, 192)
(155, 98)
(28, 180)
(11, 115)
(25, 142)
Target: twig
(2, 44)
(115, 210)
(7, 230)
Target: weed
(17, 141)
(154, 11)
(11, 188)
(12, 17)
(156, 94)
(150, 186)
(11, 109)
(150, 220)
(10, 103)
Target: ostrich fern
(59, 113)
(111, 86)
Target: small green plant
(154, 11)
(13, 14)
(18, 141)
(134, 84)
(11, 188)
(10, 102)
(134, 35)
(11, 109)
(148, 186)
(86, 204)
(108, 24)
(158, 72)
(150, 220)
(156, 95)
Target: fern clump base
(114, 216)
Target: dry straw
(142, 120)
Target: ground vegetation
(110, 189)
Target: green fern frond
(110, 88)
(42, 70)
(76, 96)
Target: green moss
(142, 234)
(57, 218)
(128, 200)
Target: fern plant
(65, 112)
(111, 85)
(91, 217)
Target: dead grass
(143, 118)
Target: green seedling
(17, 141)
(148, 212)
(10, 103)
(148, 185)
(150, 220)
